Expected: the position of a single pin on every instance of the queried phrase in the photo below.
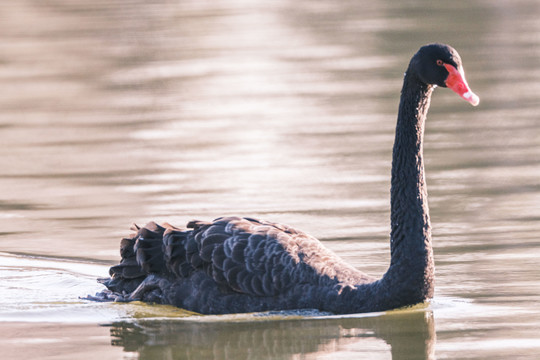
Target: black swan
(234, 265)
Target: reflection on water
(114, 112)
(408, 334)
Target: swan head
(440, 64)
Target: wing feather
(242, 255)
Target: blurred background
(115, 112)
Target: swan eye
(440, 62)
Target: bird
(241, 264)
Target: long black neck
(410, 275)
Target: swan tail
(141, 255)
(128, 274)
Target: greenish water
(129, 111)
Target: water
(129, 111)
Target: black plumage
(235, 264)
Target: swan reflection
(405, 334)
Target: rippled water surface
(115, 112)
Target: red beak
(456, 81)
